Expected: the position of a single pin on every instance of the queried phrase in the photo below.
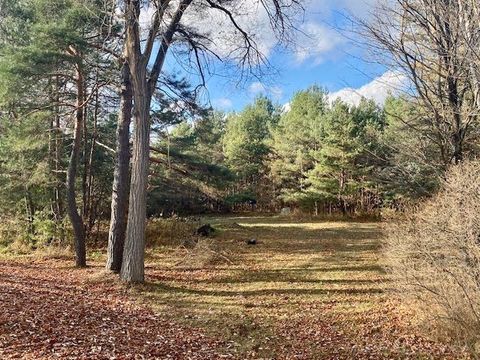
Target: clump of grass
(12, 234)
(172, 231)
(43, 235)
(204, 253)
(19, 247)
(54, 251)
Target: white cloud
(321, 34)
(256, 88)
(222, 103)
(316, 42)
(312, 43)
(276, 92)
(391, 82)
(286, 107)
(226, 40)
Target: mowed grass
(308, 289)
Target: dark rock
(205, 230)
(252, 242)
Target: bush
(11, 231)
(435, 252)
(20, 236)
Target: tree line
(94, 127)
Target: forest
(144, 215)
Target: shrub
(11, 231)
(19, 236)
(435, 252)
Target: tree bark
(75, 218)
(134, 251)
(58, 159)
(120, 191)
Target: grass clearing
(308, 289)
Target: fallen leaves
(311, 291)
(50, 312)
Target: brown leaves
(311, 291)
(49, 312)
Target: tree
(295, 141)
(24, 176)
(144, 79)
(413, 164)
(245, 142)
(343, 166)
(184, 179)
(120, 188)
(50, 59)
(433, 42)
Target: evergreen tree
(296, 142)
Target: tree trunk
(120, 191)
(457, 146)
(75, 218)
(90, 216)
(144, 83)
(58, 159)
(134, 251)
(30, 210)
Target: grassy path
(308, 290)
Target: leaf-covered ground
(308, 290)
(49, 311)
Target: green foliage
(45, 44)
(324, 154)
(295, 142)
(342, 167)
(23, 162)
(189, 175)
(414, 166)
(319, 156)
(245, 140)
(244, 197)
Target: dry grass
(309, 289)
(170, 232)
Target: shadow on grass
(272, 279)
(161, 287)
(299, 238)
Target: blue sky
(322, 54)
(341, 72)
(326, 58)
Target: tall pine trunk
(134, 251)
(75, 218)
(120, 191)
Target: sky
(323, 54)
